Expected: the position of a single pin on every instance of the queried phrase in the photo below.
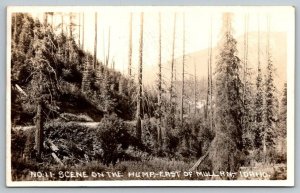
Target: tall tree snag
(82, 44)
(140, 82)
(95, 42)
(159, 83)
(271, 111)
(183, 63)
(173, 79)
(130, 46)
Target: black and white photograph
(150, 96)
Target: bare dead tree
(79, 29)
(130, 46)
(173, 79)
(159, 68)
(195, 87)
(71, 25)
(104, 54)
(140, 81)
(70, 36)
(211, 83)
(160, 141)
(183, 63)
(264, 140)
(39, 133)
(46, 22)
(52, 19)
(173, 60)
(62, 23)
(209, 110)
(95, 41)
(245, 56)
(45, 17)
(208, 86)
(108, 47)
(15, 29)
(82, 44)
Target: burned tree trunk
(140, 82)
(130, 46)
(108, 47)
(173, 59)
(183, 63)
(82, 44)
(79, 30)
(95, 43)
(211, 83)
(173, 79)
(160, 141)
(62, 24)
(39, 132)
(195, 91)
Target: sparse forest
(72, 109)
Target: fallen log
(21, 90)
(52, 146)
(200, 160)
(57, 159)
(23, 128)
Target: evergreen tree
(44, 92)
(248, 98)
(271, 104)
(282, 129)
(26, 35)
(227, 143)
(283, 111)
(259, 101)
(86, 77)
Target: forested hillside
(72, 110)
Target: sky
(198, 22)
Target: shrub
(114, 138)
(18, 140)
(172, 141)
(150, 135)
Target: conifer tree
(271, 116)
(43, 90)
(259, 100)
(228, 130)
(248, 97)
(282, 129)
(85, 84)
(26, 35)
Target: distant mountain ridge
(278, 45)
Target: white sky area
(197, 29)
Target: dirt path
(87, 124)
